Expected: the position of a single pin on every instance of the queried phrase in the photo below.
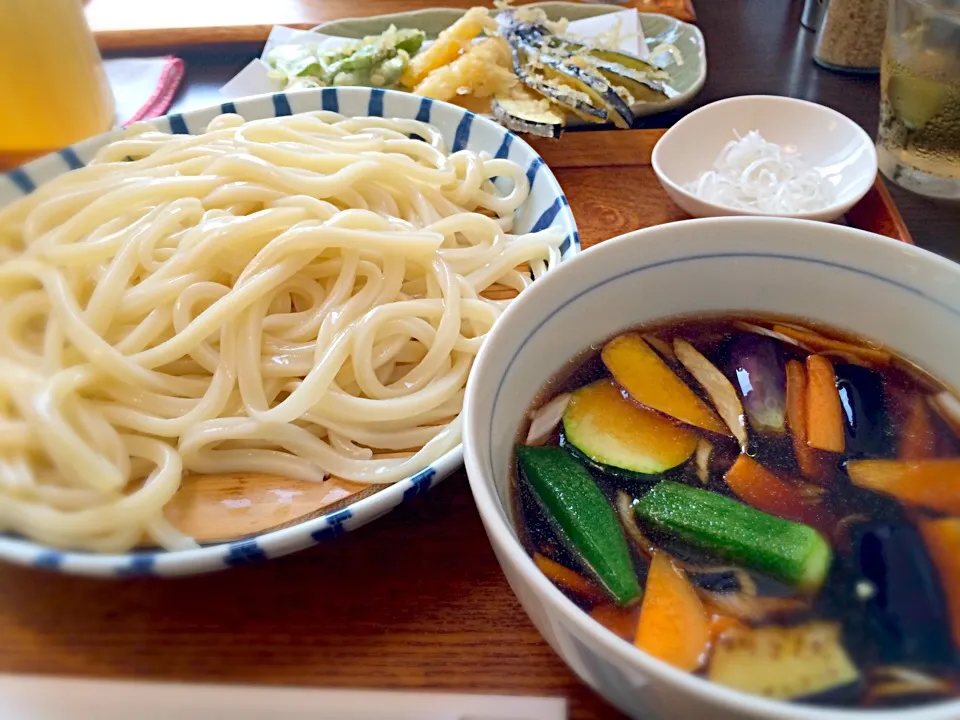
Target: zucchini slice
(783, 663)
(618, 434)
(525, 111)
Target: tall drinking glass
(53, 90)
(919, 139)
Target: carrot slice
(673, 625)
(942, 538)
(812, 463)
(567, 578)
(917, 438)
(619, 620)
(824, 414)
(757, 486)
(651, 382)
(821, 343)
(933, 484)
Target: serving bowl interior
(545, 207)
(901, 296)
(827, 140)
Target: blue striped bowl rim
(546, 207)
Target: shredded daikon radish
(753, 174)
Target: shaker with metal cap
(812, 14)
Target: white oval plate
(686, 80)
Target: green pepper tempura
(376, 61)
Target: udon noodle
(299, 296)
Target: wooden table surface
(415, 600)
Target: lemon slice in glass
(915, 100)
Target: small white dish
(899, 295)
(828, 141)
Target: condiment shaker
(850, 38)
(812, 14)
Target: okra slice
(582, 517)
(788, 551)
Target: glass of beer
(53, 89)
(918, 144)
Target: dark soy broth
(764, 502)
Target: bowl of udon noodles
(719, 463)
(289, 286)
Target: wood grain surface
(125, 24)
(413, 601)
(612, 188)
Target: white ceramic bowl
(900, 295)
(545, 207)
(832, 143)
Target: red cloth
(159, 102)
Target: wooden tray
(612, 189)
(126, 24)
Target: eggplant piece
(544, 61)
(529, 31)
(758, 372)
(533, 114)
(588, 80)
(623, 64)
(643, 89)
(538, 38)
(584, 80)
(580, 104)
(613, 79)
(864, 411)
(632, 63)
(784, 663)
(903, 609)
